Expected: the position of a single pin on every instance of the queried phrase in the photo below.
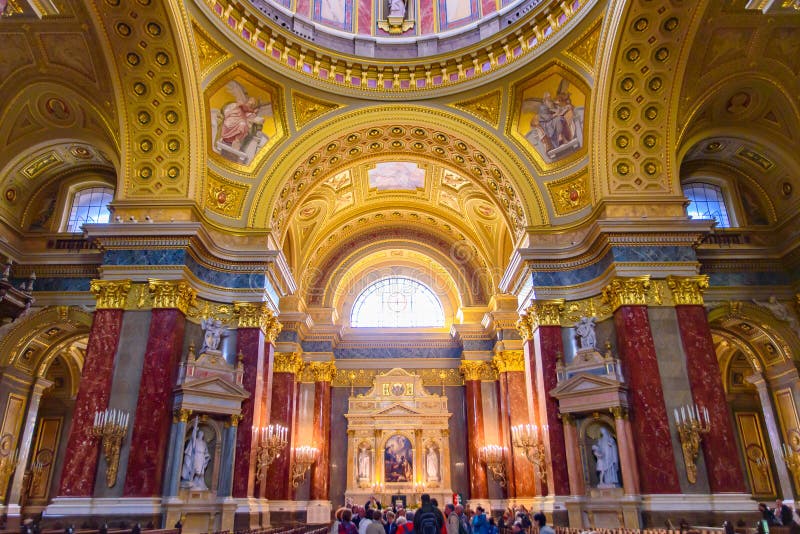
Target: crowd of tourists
(430, 518)
(782, 515)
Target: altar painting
(398, 460)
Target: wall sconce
(692, 422)
(526, 437)
(111, 426)
(272, 441)
(8, 464)
(493, 457)
(304, 458)
(792, 459)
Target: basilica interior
(263, 258)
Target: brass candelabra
(494, 458)
(111, 426)
(304, 458)
(272, 441)
(527, 438)
(8, 464)
(692, 422)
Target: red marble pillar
(655, 459)
(524, 473)
(504, 431)
(258, 329)
(719, 445)
(284, 399)
(478, 483)
(320, 471)
(94, 391)
(151, 424)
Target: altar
(398, 441)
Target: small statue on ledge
(396, 22)
(587, 339)
(214, 332)
(397, 8)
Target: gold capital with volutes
(235, 418)
(182, 415)
(176, 294)
(619, 412)
(323, 371)
(507, 361)
(287, 362)
(110, 294)
(624, 291)
(540, 313)
(472, 369)
(258, 315)
(688, 290)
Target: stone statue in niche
(396, 22)
(587, 339)
(397, 8)
(214, 332)
(607, 460)
(363, 463)
(195, 461)
(432, 463)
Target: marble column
(577, 484)
(94, 390)
(773, 435)
(151, 423)
(284, 398)
(657, 471)
(627, 454)
(719, 445)
(175, 464)
(228, 456)
(321, 470)
(255, 338)
(478, 483)
(511, 366)
(540, 328)
(26, 441)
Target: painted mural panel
(548, 119)
(396, 175)
(455, 13)
(334, 13)
(398, 460)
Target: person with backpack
(480, 525)
(428, 519)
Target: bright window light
(89, 206)
(397, 302)
(706, 202)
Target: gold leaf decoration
(225, 197)
(209, 53)
(485, 107)
(307, 108)
(584, 49)
(569, 194)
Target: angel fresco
(238, 125)
(556, 128)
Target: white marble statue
(607, 455)
(432, 463)
(781, 312)
(195, 461)
(214, 331)
(587, 339)
(363, 463)
(397, 8)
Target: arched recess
(391, 131)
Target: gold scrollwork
(688, 290)
(176, 294)
(288, 362)
(509, 360)
(110, 294)
(622, 291)
(540, 313)
(322, 371)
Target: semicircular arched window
(706, 201)
(397, 302)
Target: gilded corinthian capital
(540, 313)
(288, 362)
(176, 294)
(322, 371)
(623, 291)
(509, 360)
(687, 289)
(258, 315)
(110, 294)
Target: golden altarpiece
(397, 441)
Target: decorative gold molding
(181, 416)
(322, 371)
(485, 107)
(110, 294)
(688, 290)
(307, 108)
(545, 313)
(288, 362)
(619, 412)
(235, 418)
(569, 194)
(477, 370)
(172, 294)
(623, 291)
(507, 361)
(430, 377)
(525, 326)
(257, 315)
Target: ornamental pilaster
(110, 294)
(688, 290)
(176, 294)
(323, 371)
(623, 291)
(287, 362)
(509, 360)
(540, 313)
(258, 315)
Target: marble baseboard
(688, 502)
(83, 506)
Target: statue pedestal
(200, 511)
(318, 512)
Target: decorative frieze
(110, 294)
(688, 290)
(627, 291)
(176, 294)
(288, 362)
(509, 360)
(359, 378)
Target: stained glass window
(397, 302)
(706, 202)
(89, 206)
